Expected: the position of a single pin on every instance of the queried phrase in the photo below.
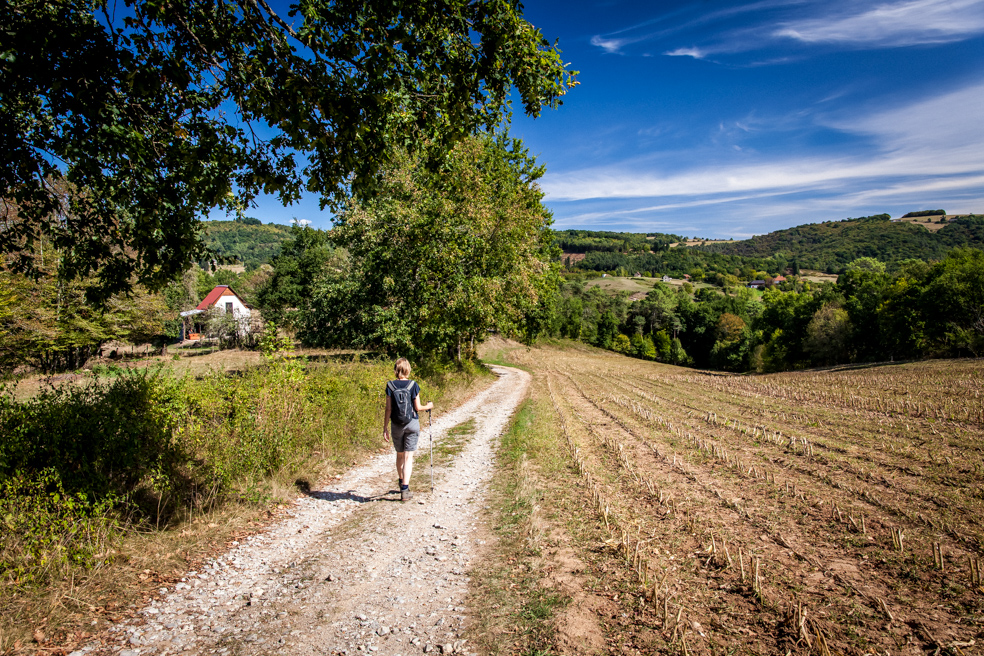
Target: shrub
(148, 448)
(47, 530)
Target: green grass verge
(515, 614)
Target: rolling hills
(831, 245)
(249, 241)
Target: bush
(47, 530)
(148, 448)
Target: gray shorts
(405, 437)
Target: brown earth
(718, 513)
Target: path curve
(351, 569)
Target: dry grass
(931, 223)
(818, 276)
(191, 360)
(616, 284)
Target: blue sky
(728, 119)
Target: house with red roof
(226, 300)
(222, 299)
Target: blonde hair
(402, 368)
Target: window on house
(228, 308)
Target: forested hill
(248, 241)
(831, 245)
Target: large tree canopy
(439, 257)
(157, 112)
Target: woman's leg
(401, 457)
(407, 467)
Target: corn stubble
(815, 512)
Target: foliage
(830, 246)
(123, 129)
(909, 215)
(47, 323)
(828, 335)
(77, 463)
(250, 244)
(273, 344)
(586, 241)
(47, 530)
(302, 261)
(439, 257)
(915, 310)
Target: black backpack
(401, 408)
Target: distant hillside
(603, 241)
(830, 246)
(249, 241)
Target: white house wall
(238, 309)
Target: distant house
(756, 284)
(686, 276)
(223, 299)
(666, 279)
(778, 279)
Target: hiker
(401, 415)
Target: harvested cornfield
(828, 512)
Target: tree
(677, 354)
(729, 327)
(439, 257)
(158, 114)
(867, 264)
(663, 346)
(621, 343)
(954, 300)
(607, 330)
(46, 322)
(828, 335)
(302, 262)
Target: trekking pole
(430, 429)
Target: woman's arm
(421, 408)
(386, 416)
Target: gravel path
(351, 569)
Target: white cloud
(893, 24)
(608, 45)
(696, 53)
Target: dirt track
(351, 569)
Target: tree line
(919, 310)
(353, 286)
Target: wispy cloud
(914, 151)
(696, 53)
(850, 25)
(893, 24)
(608, 45)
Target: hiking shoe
(405, 495)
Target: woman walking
(401, 422)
